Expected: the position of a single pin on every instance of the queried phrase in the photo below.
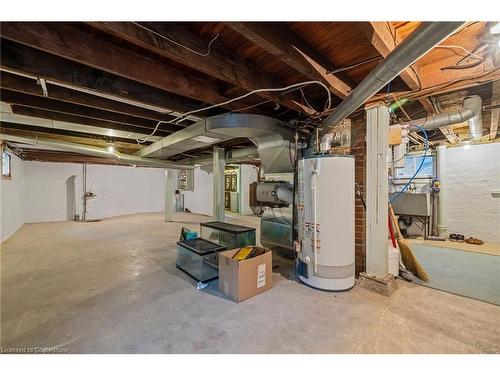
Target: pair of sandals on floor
(456, 237)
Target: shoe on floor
(453, 237)
(474, 241)
(460, 238)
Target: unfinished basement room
(243, 187)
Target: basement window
(6, 164)
(412, 162)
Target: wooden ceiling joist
(58, 116)
(384, 38)
(64, 157)
(27, 85)
(19, 58)
(62, 134)
(289, 47)
(13, 97)
(69, 42)
(217, 63)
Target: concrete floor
(112, 287)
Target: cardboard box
(246, 278)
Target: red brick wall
(358, 150)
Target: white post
(442, 226)
(169, 194)
(377, 143)
(219, 164)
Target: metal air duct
(98, 152)
(417, 44)
(470, 112)
(271, 137)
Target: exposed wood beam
(29, 86)
(293, 50)
(449, 133)
(65, 157)
(13, 97)
(426, 103)
(217, 63)
(57, 116)
(467, 81)
(385, 38)
(76, 136)
(26, 60)
(67, 41)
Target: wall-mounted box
(185, 179)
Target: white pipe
(443, 192)
(314, 183)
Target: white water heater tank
(326, 221)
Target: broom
(407, 256)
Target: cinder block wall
(474, 191)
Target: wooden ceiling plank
(294, 51)
(384, 38)
(26, 60)
(68, 42)
(217, 63)
(27, 85)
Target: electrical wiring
(419, 167)
(416, 94)
(305, 99)
(177, 43)
(338, 70)
(453, 46)
(295, 86)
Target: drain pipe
(471, 112)
(416, 45)
(99, 152)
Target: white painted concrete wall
(119, 190)
(473, 179)
(40, 192)
(45, 190)
(124, 190)
(12, 199)
(199, 200)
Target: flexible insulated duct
(417, 44)
(98, 152)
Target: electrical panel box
(185, 179)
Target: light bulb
(111, 149)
